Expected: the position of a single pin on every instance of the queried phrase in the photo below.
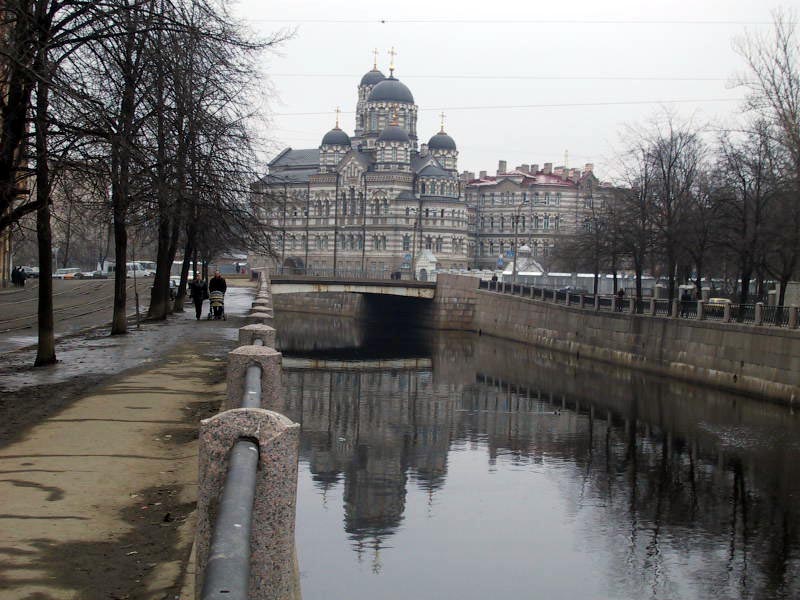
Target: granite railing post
(632, 301)
(582, 301)
(652, 307)
(533, 290)
(674, 312)
(272, 551)
(504, 287)
(249, 333)
(726, 312)
(597, 303)
(700, 310)
(759, 316)
(792, 317)
(567, 299)
(614, 303)
(270, 362)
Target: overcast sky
(451, 66)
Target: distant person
(15, 276)
(198, 291)
(686, 300)
(620, 299)
(217, 283)
(238, 268)
(21, 277)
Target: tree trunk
(46, 348)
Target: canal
(448, 465)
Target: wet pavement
(448, 465)
(78, 305)
(96, 353)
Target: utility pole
(364, 225)
(335, 223)
(308, 216)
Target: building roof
(336, 137)
(372, 77)
(293, 176)
(441, 141)
(289, 159)
(433, 170)
(391, 90)
(394, 133)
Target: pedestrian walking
(21, 277)
(686, 299)
(15, 276)
(198, 291)
(620, 299)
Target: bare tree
(773, 79)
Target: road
(77, 305)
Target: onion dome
(394, 133)
(336, 137)
(372, 77)
(391, 90)
(441, 141)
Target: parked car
(31, 272)
(90, 275)
(67, 273)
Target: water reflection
(578, 479)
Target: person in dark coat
(217, 283)
(21, 277)
(15, 275)
(198, 291)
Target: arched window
(422, 187)
(406, 242)
(428, 243)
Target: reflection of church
(376, 200)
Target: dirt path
(97, 494)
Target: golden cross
(338, 110)
(442, 115)
(392, 54)
(375, 62)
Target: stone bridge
(304, 284)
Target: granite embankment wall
(329, 303)
(756, 360)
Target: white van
(136, 269)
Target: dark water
(456, 466)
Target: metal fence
(777, 316)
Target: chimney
(559, 171)
(482, 175)
(524, 168)
(588, 168)
(467, 176)
(548, 169)
(534, 168)
(423, 149)
(501, 167)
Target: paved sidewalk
(97, 497)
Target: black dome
(391, 90)
(394, 133)
(441, 141)
(372, 77)
(336, 137)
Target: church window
(502, 222)
(406, 242)
(481, 249)
(536, 223)
(558, 198)
(441, 216)
(523, 222)
(439, 244)
(428, 243)
(394, 154)
(556, 222)
(422, 187)
(383, 242)
(491, 248)
(547, 222)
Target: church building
(376, 200)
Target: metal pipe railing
(227, 573)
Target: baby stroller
(216, 309)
